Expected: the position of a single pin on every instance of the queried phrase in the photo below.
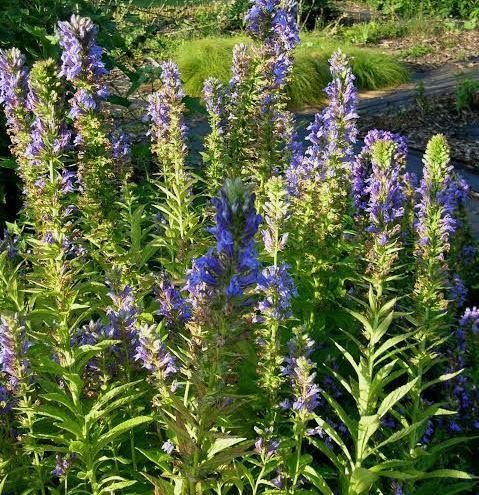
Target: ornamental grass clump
(281, 319)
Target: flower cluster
(362, 165)
(278, 288)
(266, 447)
(173, 308)
(13, 97)
(123, 317)
(63, 465)
(465, 391)
(165, 109)
(81, 56)
(332, 134)
(13, 348)
(152, 353)
(82, 64)
(441, 193)
(274, 24)
(228, 271)
(299, 368)
(387, 197)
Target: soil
(434, 115)
(430, 51)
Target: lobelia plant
(320, 198)
(138, 353)
(168, 133)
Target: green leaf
(221, 444)
(367, 427)
(443, 378)
(2, 484)
(392, 342)
(362, 480)
(164, 488)
(394, 397)
(450, 473)
(317, 480)
(157, 457)
(8, 163)
(397, 435)
(331, 432)
(118, 430)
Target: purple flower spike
(152, 352)
(362, 166)
(300, 371)
(13, 349)
(123, 317)
(165, 106)
(332, 134)
(81, 55)
(13, 89)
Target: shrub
(300, 330)
(467, 94)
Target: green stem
(299, 444)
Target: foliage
(466, 94)
(443, 8)
(279, 320)
(200, 59)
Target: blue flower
(173, 307)
(278, 288)
(232, 267)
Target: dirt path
(435, 82)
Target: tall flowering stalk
(299, 369)
(277, 289)
(463, 388)
(168, 134)
(15, 367)
(214, 94)
(259, 131)
(13, 97)
(319, 185)
(83, 67)
(385, 210)
(333, 133)
(436, 224)
(49, 199)
(273, 24)
(240, 101)
(221, 279)
(220, 284)
(168, 130)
